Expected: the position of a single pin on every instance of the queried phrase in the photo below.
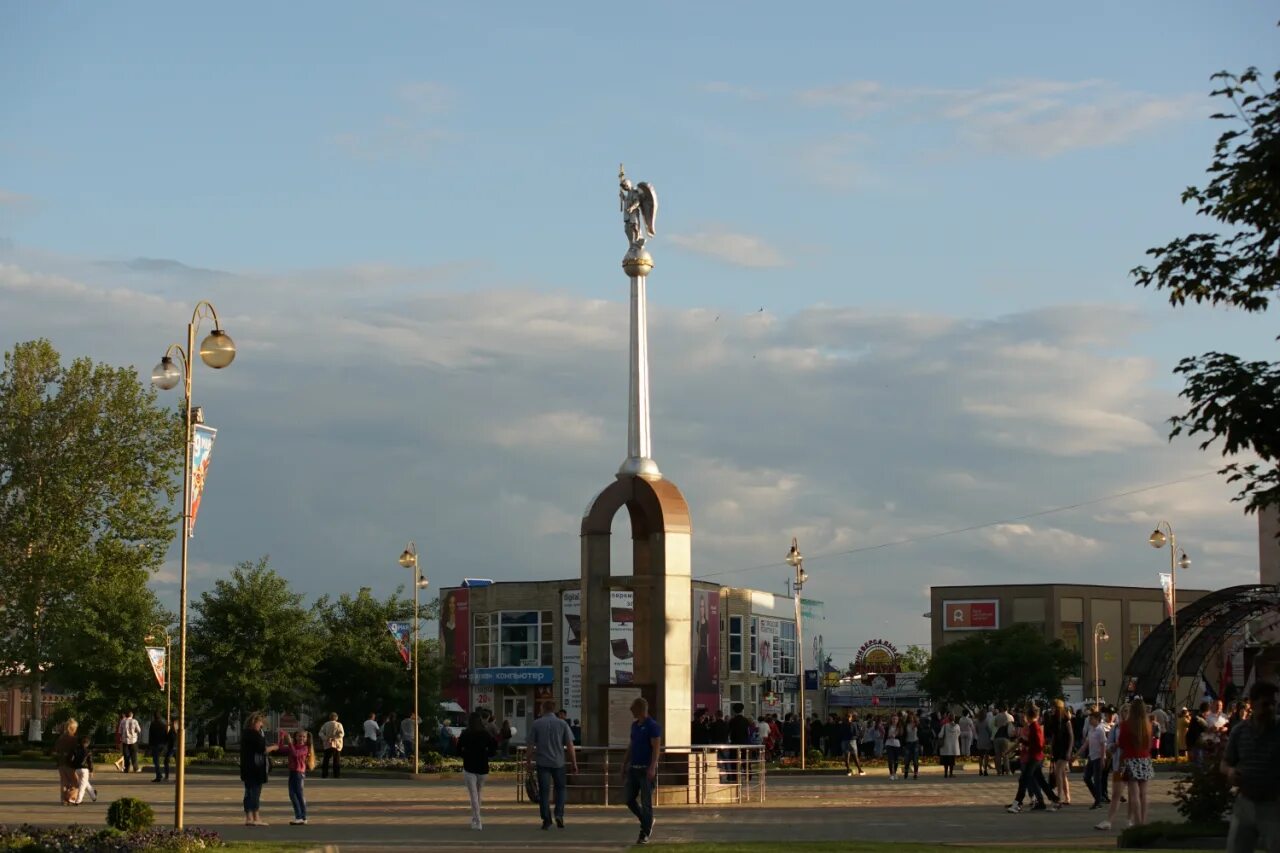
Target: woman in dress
(476, 746)
(1061, 745)
(254, 767)
(702, 675)
(949, 746)
(1135, 745)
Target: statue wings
(648, 205)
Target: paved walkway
(392, 814)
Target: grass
(265, 847)
(864, 847)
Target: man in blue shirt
(640, 766)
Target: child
(82, 764)
(301, 759)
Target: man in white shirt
(331, 736)
(1217, 721)
(372, 736)
(130, 730)
(1094, 750)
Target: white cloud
(549, 429)
(734, 248)
(1046, 542)
(9, 198)
(413, 130)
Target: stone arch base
(661, 563)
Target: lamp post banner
(156, 654)
(201, 449)
(400, 633)
(1166, 586)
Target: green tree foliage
(1004, 667)
(253, 645)
(1232, 399)
(914, 659)
(87, 482)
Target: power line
(925, 538)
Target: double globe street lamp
(217, 350)
(409, 560)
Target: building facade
(513, 645)
(1067, 612)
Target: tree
(1004, 667)
(254, 646)
(88, 467)
(1231, 399)
(914, 659)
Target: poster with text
(767, 651)
(156, 655)
(621, 645)
(706, 649)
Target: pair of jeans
(1094, 779)
(893, 752)
(296, 795)
(547, 776)
(252, 796)
(640, 796)
(336, 754)
(158, 749)
(1032, 781)
(1254, 821)
(911, 757)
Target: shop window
(1072, 636)
(735, 644)
(513, 638)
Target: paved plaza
(396, 814)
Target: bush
(31, 754)
(129, 814)
(816, 756)
(1204, 796)
(1159, 834)
(215, 752)
(83, 839)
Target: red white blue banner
(400, 633)
(201, 449)
(156, 654)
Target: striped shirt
(1254, 752)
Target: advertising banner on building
(971, 615)
(400, 633)
(455, 640)
(621, 645)
(201, 450)
(767, 649)
(706, 649)
(1166, 587)
(156, 655)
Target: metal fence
(687, 775)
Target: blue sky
(894, 185)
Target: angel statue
(639, 209)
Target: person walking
(1134, 741)
(851, 745)
(408, 734)
(1116, 762)
(1250, 763)
(1031, 780)
(982, 741)
(391, 736)
(549, 742)
(967, 732)
(158, 743)
(82, 767)
(331, 737)
(254, 767)
(640, 766)
(911, 746)
(893, 745)
(119, 762)
(948, 746)
(476, 746)
(63, 750)
(1000, 740)
(1094, 751)
(170, 746)
(1061, 747)
(301, 759)
(130, 730)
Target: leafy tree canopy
(914, 659)
(88, 476)
(253, 645)
(1239, 266)
(1004, 667)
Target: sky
(891, 296)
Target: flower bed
(84, 839)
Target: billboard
(621, 645)
(455, 640)
(971, 615)
(768, 651)
(706, 649)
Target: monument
(660, 541)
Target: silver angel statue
(639, 209)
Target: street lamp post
(1099, 633)
(409, 559)
(796, 560)
(168, 667)
(217, 350)
(1178, 559)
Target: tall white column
(639, 461)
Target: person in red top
(1032, 778)
(1134, 741)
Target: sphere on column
(637, 263)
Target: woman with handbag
(254, 767)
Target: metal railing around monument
(687, 775)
